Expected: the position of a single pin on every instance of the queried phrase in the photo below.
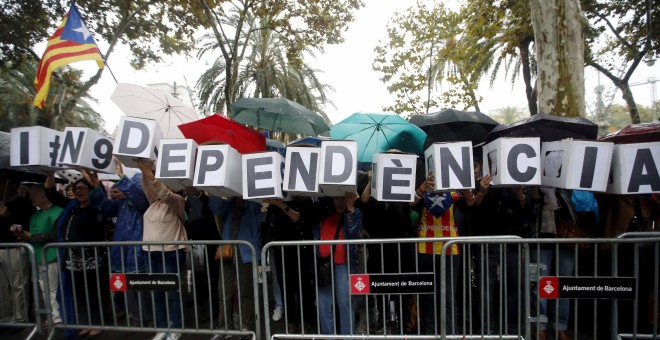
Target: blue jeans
(545, 259)
(346, 313)
(168, 312)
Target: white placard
(87, 148)
(635, 169)
(137, 138)
(218, 170)
(175, 165)
(579, 165)
(262, 175)
(338, 167)
(301, 171)
(393, 177)
(35, 146)
(451, 164)
(513, 161)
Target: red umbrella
(635, 133)
(217, 128)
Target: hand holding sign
(351, 197)
(145, 166)
(91, 177)
(120, 168)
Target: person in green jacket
(42, 231)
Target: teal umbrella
(278, 115)
(379, 132)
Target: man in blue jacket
(128, 205)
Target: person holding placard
(440, 215)
(344, 223)
(499, 211)
(388, 220)
(128, 205)
(241, 221)
(292, 221)
(83, 266)
(164, 222)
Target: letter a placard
(635, 169)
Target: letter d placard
(338, 167)
(137, 138)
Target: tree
(508, 115)
(17, 94)
(423, 53)
(149, 28)
(500, 33)
(265, 72)
(621, 30)
(559, 41)
(300, 25)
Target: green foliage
(617, 116)
(436, 57)
(245, 31)
(17, 95)
(23, 23)
(508, 114)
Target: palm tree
(17, 93)
(265, 72)
(508, 115)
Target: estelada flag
(71, 42)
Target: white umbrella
(143, 102)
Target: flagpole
(109, 69)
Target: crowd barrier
(491, 287)
(18, 272)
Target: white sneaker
(173, 336)
(277, 314)
(160, 336)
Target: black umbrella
(455, 126)
(547, 127)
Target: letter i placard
(35, 147)
(579, 165)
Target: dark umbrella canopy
(455, 126)
(635, 133)
(278, 115)
(547, 127)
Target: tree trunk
(527, 75)
(559, 42)
(630, 102)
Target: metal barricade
(489, 288)
(119, 286)
(18, 279)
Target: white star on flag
(83, 30)
(437, 200)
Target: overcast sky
(346, 67)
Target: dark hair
(83, 181)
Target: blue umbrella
(316, 141)
(379, 132)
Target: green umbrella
(379, 132)
(278, 115)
